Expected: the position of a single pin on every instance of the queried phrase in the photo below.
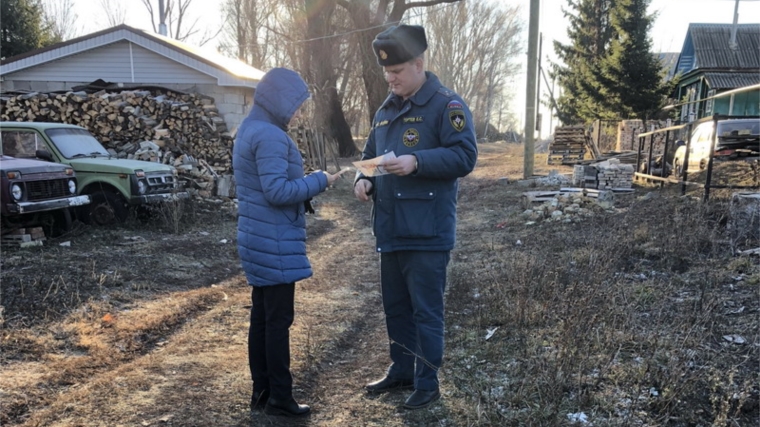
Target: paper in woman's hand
(373, 167)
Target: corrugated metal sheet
(731, 80)
(712, 50)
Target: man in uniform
(429, 129)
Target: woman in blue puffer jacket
(271, 190)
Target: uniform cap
(399, 44)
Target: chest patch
(381, 123)
(411, 137)
(457, 119)
(413, 119)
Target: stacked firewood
(167, 127)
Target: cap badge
(383, 55)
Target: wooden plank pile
(156, 126)
(568, 146)
(24, 237)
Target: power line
(418, 14)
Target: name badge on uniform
(381, 123)
(413, 119)
(457, 119)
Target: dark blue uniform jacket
(418, 211)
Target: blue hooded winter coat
(271, 186)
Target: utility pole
(530, 90)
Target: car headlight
(72, 186)
(141, 186)
(17, 192)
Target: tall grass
(621, 319)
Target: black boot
(389, 384)
(421, 399)
(259, 399)
(288, 408)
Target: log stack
(175, 125)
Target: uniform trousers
(413, 284)
(269, 339)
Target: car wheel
(106, 208)
(62, 222)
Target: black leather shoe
(259, 399)
(422, 399)
(389, 384)
(288, 408)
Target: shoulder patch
(455, 104)
(457, 119)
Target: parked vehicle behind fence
(113, 184)
(734, 138)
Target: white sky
(668, 31)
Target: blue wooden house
(718, 58)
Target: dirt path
(174, 354)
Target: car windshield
(739, 130)
(74, 143)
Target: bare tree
(480, 57)
(251, 31)
(116, 12)
(370, 17)
(323, 75)
(176, 16)
(60, 15)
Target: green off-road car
(113, 184)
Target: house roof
(731, 80)
(707, 46)
(228, 71)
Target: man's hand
(362, 189)
(401, 165)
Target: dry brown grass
(620, 316)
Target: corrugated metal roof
(228, 71)
(712, 49)
(731, 80)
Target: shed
(717, 58)
(129, 57)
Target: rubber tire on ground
(106, 208)
(62, 222)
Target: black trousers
(269, 339)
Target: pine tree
(630, 75)
(22, 27)
(590, 32)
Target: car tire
(62, 222)
(106, 208)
